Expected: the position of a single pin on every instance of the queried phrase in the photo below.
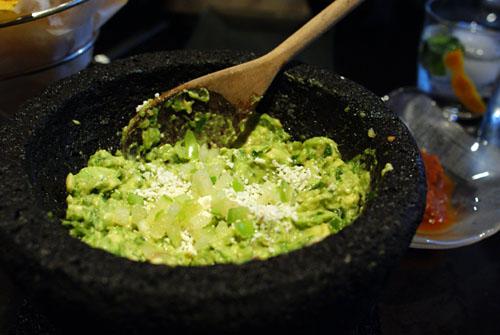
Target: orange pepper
(461, 84)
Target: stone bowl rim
(137, 276)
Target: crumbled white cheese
(269, 216)
(162, 182)
(297, 176)
(205, 202)
(257, 235)
(187, 243)
(139, 107)
(250, 199)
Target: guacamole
(191, 203)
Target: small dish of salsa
(463, 174)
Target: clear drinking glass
(473, 27)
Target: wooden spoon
(242, 84)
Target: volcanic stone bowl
(334, 283)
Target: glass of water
(472, 27)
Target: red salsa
(439, 213)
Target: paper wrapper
(35, 53)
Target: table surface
(453, 291)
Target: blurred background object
(459, 55)
(375, 45)
(254, 26)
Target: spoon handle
(313, 29)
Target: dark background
(375, 45)
(453, 291)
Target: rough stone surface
(329, 284)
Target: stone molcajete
(333, 284)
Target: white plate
(473, 167)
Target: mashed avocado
(191, 204)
